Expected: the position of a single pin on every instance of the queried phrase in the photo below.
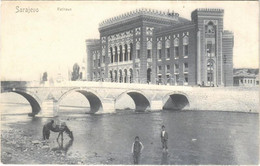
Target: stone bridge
(102, 96)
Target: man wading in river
(164, 139)
(137, 148)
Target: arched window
(167, 48)
(120, 76)
(149, 72)
(210, 28)
(176, 48)
(112, 56)
(126, 53)
(185, 46)
(125, 72)
(131, 75)
(131, 51)
(138, 50)
(159, 50)
(149, 49)
(111, 75)
(120, 53)
(116, 54)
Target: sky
(52, 40)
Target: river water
(195, 137)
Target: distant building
(150, 46)
(244, 78)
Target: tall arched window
(149, 72)
(185, 46)
(131, 75)
(116, 54)
(131, 51)
(126, 53)
(120, 53)
(176, 48)
(120, 76)
(125, 72)
(111, 75)
(112, 56)
(167, 49)
(149, 49)
(137, 50)
(159, 50)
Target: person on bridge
(137, 149)
(164, 139)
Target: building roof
(228, 34)
(244, 73)
(174, 27)
(91, 42)
(161, 15)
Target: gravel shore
(22, 147)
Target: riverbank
(20, 146)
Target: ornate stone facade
(150, 46)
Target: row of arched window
(121, 75)
(115, 57)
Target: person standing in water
(164, 139)
(137, 149)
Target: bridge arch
(141, 101)
(93, 98)
(176, 101)
(34, 101)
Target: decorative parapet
(210, 10)
(149, 12)
(206, 12)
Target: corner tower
(209, 27)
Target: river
(195, 137)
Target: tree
(75, 74)
(45, 77)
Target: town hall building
(155, 47)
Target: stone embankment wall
(225, 99)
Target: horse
(58, 129)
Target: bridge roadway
(44, 99)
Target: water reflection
(61, 148)
(165, 159)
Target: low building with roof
(243, 78)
